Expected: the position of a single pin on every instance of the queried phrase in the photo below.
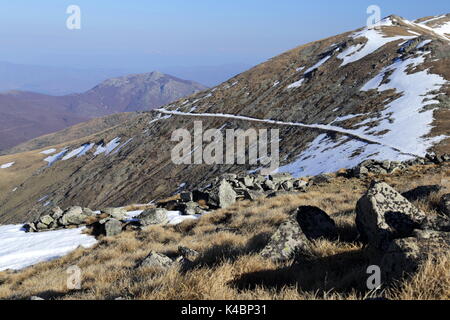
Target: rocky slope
(25, 115)
(367, 94)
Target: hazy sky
(137, 33)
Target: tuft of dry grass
(229, 266)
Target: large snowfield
(19, 249)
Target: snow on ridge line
(376, 39)
(7, 165)
(328, 128)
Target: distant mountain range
(26, 115)
(59, 80)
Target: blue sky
(137, 34)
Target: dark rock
(422, 192)
(315, 223)
(186, 197)
(321, 179)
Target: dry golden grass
(229, 266)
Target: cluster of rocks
(389, 167)
(229, 188)
(109, 221)
(400, 237)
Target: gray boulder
(73, 216)
(113, 227)
(316, 223)
(153, 216)
(321, 179)
(279, 178)
(56, 213)
(116, 213)
(444, 204)
(47, 220)
(222, 195)
(156, 260)
(383, 214)
(287, 242)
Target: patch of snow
(175, 217)
(52, 159)
(300, 69)
(318, 64)
(7, 165)
(347, 117)
(296, 84)
(110, 146)
(276, 83)
(123, 145)
(19, 249)
(375, 40)
(49, 151)
(73, 153)
(423, 43)
(86, 149)
(15, 189)
(433, 19)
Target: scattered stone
(153, 216)
(116, 213)
(113, 227)
(187, 253)
(436, 223)
(321, 179)
(279, 178)
(47, 220)
(187, 197)
(73, 216)
(223, 195)
(315, 223)
(383, 214)
(287, 242)
(156, 260)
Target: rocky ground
(274, 238)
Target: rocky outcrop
(383, 214)
(58, 219)
(389, 167)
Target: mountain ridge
(390, 84)
(41, 114)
